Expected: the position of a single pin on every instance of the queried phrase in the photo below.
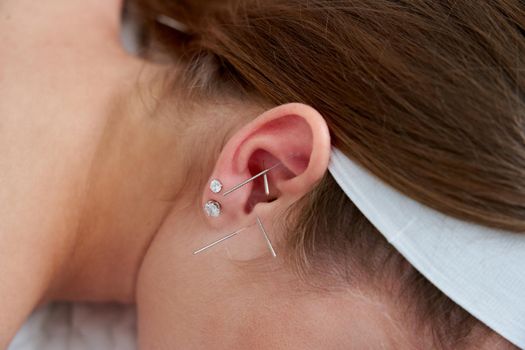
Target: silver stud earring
(212, 208)
(215, 186)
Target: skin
(102, 189)
(64, 97)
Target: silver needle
(266, 237)
(219, 241)
(266, 186)
(250, 179)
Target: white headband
(479, 268)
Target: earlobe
(280, 155)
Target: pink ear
(292, 135)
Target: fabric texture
(78, 327)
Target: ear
(293, 140)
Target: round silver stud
(215, 186)
(212, 208)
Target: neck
(133, 178)
(144, 164)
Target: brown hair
(427, 95)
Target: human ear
(292, 140)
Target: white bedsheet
(78, 327)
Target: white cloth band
(479, 268)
